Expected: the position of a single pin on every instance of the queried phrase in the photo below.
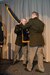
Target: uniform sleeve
(28, 25)
(17, 29)
(12, 14)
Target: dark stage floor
(7, 68)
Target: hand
(6, 5)
(19, 23)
